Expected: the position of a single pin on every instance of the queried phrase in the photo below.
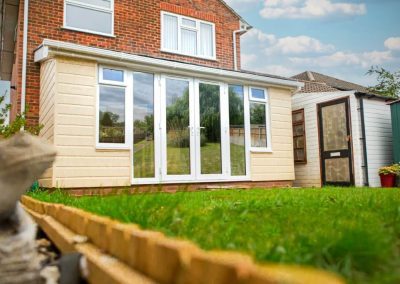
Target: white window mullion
(179, 36)
(198, 38)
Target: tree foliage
(388, 82)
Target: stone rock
(23, 158)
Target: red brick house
(146, 92)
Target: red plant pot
(388, 180)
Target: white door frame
(224, 121)
(163, 130)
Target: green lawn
(354, 232)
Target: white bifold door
(194, 130)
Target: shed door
(335, 143)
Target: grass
(354, 232)
(178, 160)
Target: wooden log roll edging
(124, 253)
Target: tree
(388, 83)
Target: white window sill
(88, 31)
(188, 55)
(261, 150)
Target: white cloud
(271, 44)
(393, 43)
(305, 9)
(298, 45)
(280, 70)
(242, 5)
(259, 36)
(246, 59)
(364, 60)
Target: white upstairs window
(93, 16)
(187, 36)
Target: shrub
(390, 170)
(8, 130)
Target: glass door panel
(210, 129)
(143, 125)
(237, 131)
(178, 133)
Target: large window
(112, 108)
(237, 130)
(299, 137)
(187, 36)
(94, 16)
(259, 120)
(143, 125)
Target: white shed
(342, 133)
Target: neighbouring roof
(316, 87)
(332, 82)
(315, 82)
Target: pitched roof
(335, 83)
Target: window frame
(128, 109)
(198, 37)
(266, 102)
(79, 3)
(302, 122)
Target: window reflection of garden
(143, 125)
(258, 125)
(178, 132)
(112, 130)
(178, 123)
(237, 131)
(112, 115)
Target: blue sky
(341, 38)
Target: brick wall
(137, 31)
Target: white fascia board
(52, 48)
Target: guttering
(24, 55)
(50, 48)
(364, 138)
(243, 28)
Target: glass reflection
(237, 131)
(258, 125)
(178, 131)
(210, 123)
(112, 115)
(143, 125)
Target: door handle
(348, 138)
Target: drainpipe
(364, 140)
(243, 28)
(24, 56)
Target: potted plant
(388, 175)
